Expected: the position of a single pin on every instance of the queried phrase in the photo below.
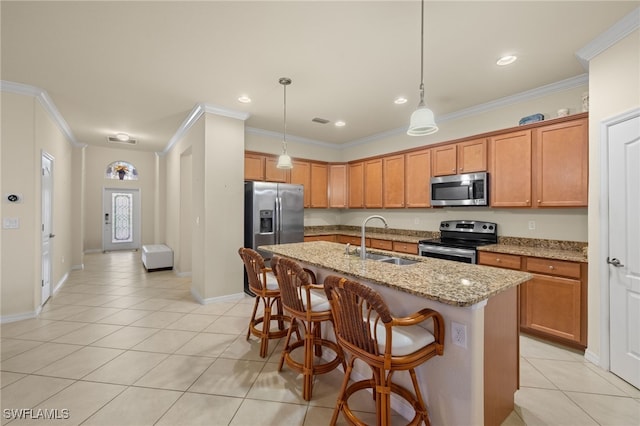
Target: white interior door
(47, 224)
(121, 219)
(624, 248)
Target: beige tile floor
(120, 346)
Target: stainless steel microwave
(470, 189)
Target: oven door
(448, 253)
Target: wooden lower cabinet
(349, 239)
(382, 244)
(553, 305)
(330, 238)
(409, 248)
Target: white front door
(624, 248)
(121, 219)
(47, 223)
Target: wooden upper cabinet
(510, 169)
(253, 167)
(301, 174)
(338, 185)
(356, 185)
(393, 181)
(472, 156)
(417, 176)
(462, 157)
(445, 160)
(373, 183)
(319, 182)
(561, 164)
(274, 174)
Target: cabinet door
(393, 181)
(330, 238)
(373, 183)
(301, 174)
(356, 185)
(561, 164)
(501, 260)
(472, 156)
(411, 248)
(552, 305)
(510, 169)
(253, 167)
(338, 186)
(382, 244)
(274, 174)
(348, 239)
(417, 176)
(319, 182)
(445, 160)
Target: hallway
(120, 346)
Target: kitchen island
(474, 382)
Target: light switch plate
(10, 223)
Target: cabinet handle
(538, 201)
(498, 259)
(551, 267)
(526, 201)
(461, 169)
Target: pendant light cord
(284, 139)
(422, 55)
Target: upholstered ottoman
(156, 257)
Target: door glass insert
(122, 214)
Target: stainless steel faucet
(363, 249)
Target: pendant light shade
(422, 120)
(284, 161)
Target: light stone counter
(452, 283)
(547, 253)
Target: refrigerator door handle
(278, 224)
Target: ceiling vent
(320, 120)
(113, 139)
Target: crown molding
(195, 115)
(47, 103)
(290, 138)
(617, 32)
(560, 86)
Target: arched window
(121, 170)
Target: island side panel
(501, 356)
(452, 384)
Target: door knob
(52, 235)
(615, 262)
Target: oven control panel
(469, 226)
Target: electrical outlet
(416, 221)
(532, 225)
(459, 334)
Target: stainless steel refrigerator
(273, 214)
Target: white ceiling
(141, 67)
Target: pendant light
(422, 121)
(284, 161)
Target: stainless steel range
(459, 240)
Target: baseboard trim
(593, 358)
(227, 298)
(62, 281)
(79, 267)
(19, 317)
(182, 274)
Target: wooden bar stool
(367, 331)
(306, 304)
(264, 285)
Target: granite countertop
(546, 253)
(452, 283)
(573, 251)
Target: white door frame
(46, 230)
(605, 313)
(137, 219)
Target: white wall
(614, 88)
(27, 130)
(97, 159)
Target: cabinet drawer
(382, 244)
(330, 238)
(410, 248)
(348, 239)
(501, 260)
(553, 267)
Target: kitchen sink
(398, 261)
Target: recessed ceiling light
(122, 137)
(506, 60)
(400, 100)
(340, 123)
(244, 99)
